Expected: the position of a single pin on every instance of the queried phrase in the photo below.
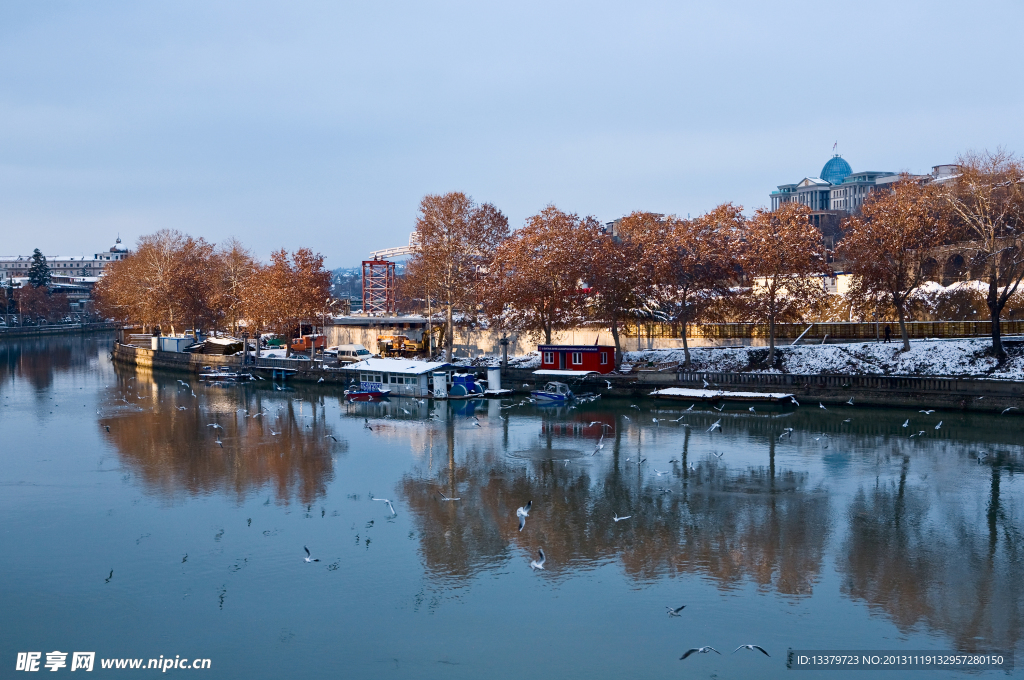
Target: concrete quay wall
(57, 329)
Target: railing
(942, 384)
(834, 330)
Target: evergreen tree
(39, 272)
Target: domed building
(836, 170)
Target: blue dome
(836, 170)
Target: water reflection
(920, 560)
(39, 360)
(183, 436)
(730, 525)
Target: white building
(72, 266)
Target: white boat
(553, 391)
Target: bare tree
(885, 248)
(457, 241)
(986, 201)
(235, 263)
(784, 262)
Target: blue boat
(553, 391)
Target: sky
(323, 124)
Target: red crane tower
(378, 287)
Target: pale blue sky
(322, 124)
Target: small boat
(553, 391)
(367, 394)
(222, 373)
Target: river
(134, 528)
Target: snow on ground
(965, 357)
(962, 358)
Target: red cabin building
(600, 358)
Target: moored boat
(553, 391)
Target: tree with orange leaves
(457, 241)
(624, 271)
(784, 261)
(886, 246)
(696, 265)
(537, 279)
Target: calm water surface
(865, 539)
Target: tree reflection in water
(728, 525)
(166, 439)
(954, 566)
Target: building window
(549, 357)
(577, 358)
(604, 358)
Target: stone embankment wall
(978, 395)
(57, 329)
(967, 394)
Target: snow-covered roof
(406, 366)
(708, 395)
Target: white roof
(408, 366)
(550, 371)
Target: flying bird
(616, 518)
(793, 399)
(939, 425)
(822, 406)
(107, 580)
(609, 383)
(751, 648)
(751, 409)
(928, 412)
(674, 611)
(522, 513)
(320, 380)
(108, 427)
(445, 498)
(215, 426)
(719, 408)
(906, 422)
(218, 442)
(332, 437)
(1012, 408)
(366, 424)
(308, 557)
(385, 500)
(699, 650)
(850, 402)
(274, 434)
(538, 564)
(716, 426)
(848, 420)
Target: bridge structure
(398, 251)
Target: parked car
(348, 354)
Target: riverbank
(57, 329)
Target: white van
(348, 354)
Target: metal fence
(833, 330)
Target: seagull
(659, 473)
(107, 580)
(982, 457)
(716, 426)
(927, 413)
(751, 409)
(218, 442)
(332, 437)
(386, 501)
(691, 407)
(108, 427)
(939, 425)
(616, 518)
(445, 498)
(751, 648)
(320, 380)
(522, 513)
(477, 424)
(822, 406)
(848, 420)
(366, 424)
(215, 426)
(699, 650)
(600, 445)
(538, 564)
(705, 383)
(850, 402)
(906, 422)
(793, 399)
(719, 455)
(308, 557)
(405, 411)
(180, 408)
(634, 406)
(626, 417)
(1012, 408)
(655, 421)
(786, 432)
(274, 434)
(719, 408)
(674, 611)
(676, 420)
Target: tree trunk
(771, 340)
(903, 326)
(995, 310)
(449, 334)
(615, 339)
(686, 348)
